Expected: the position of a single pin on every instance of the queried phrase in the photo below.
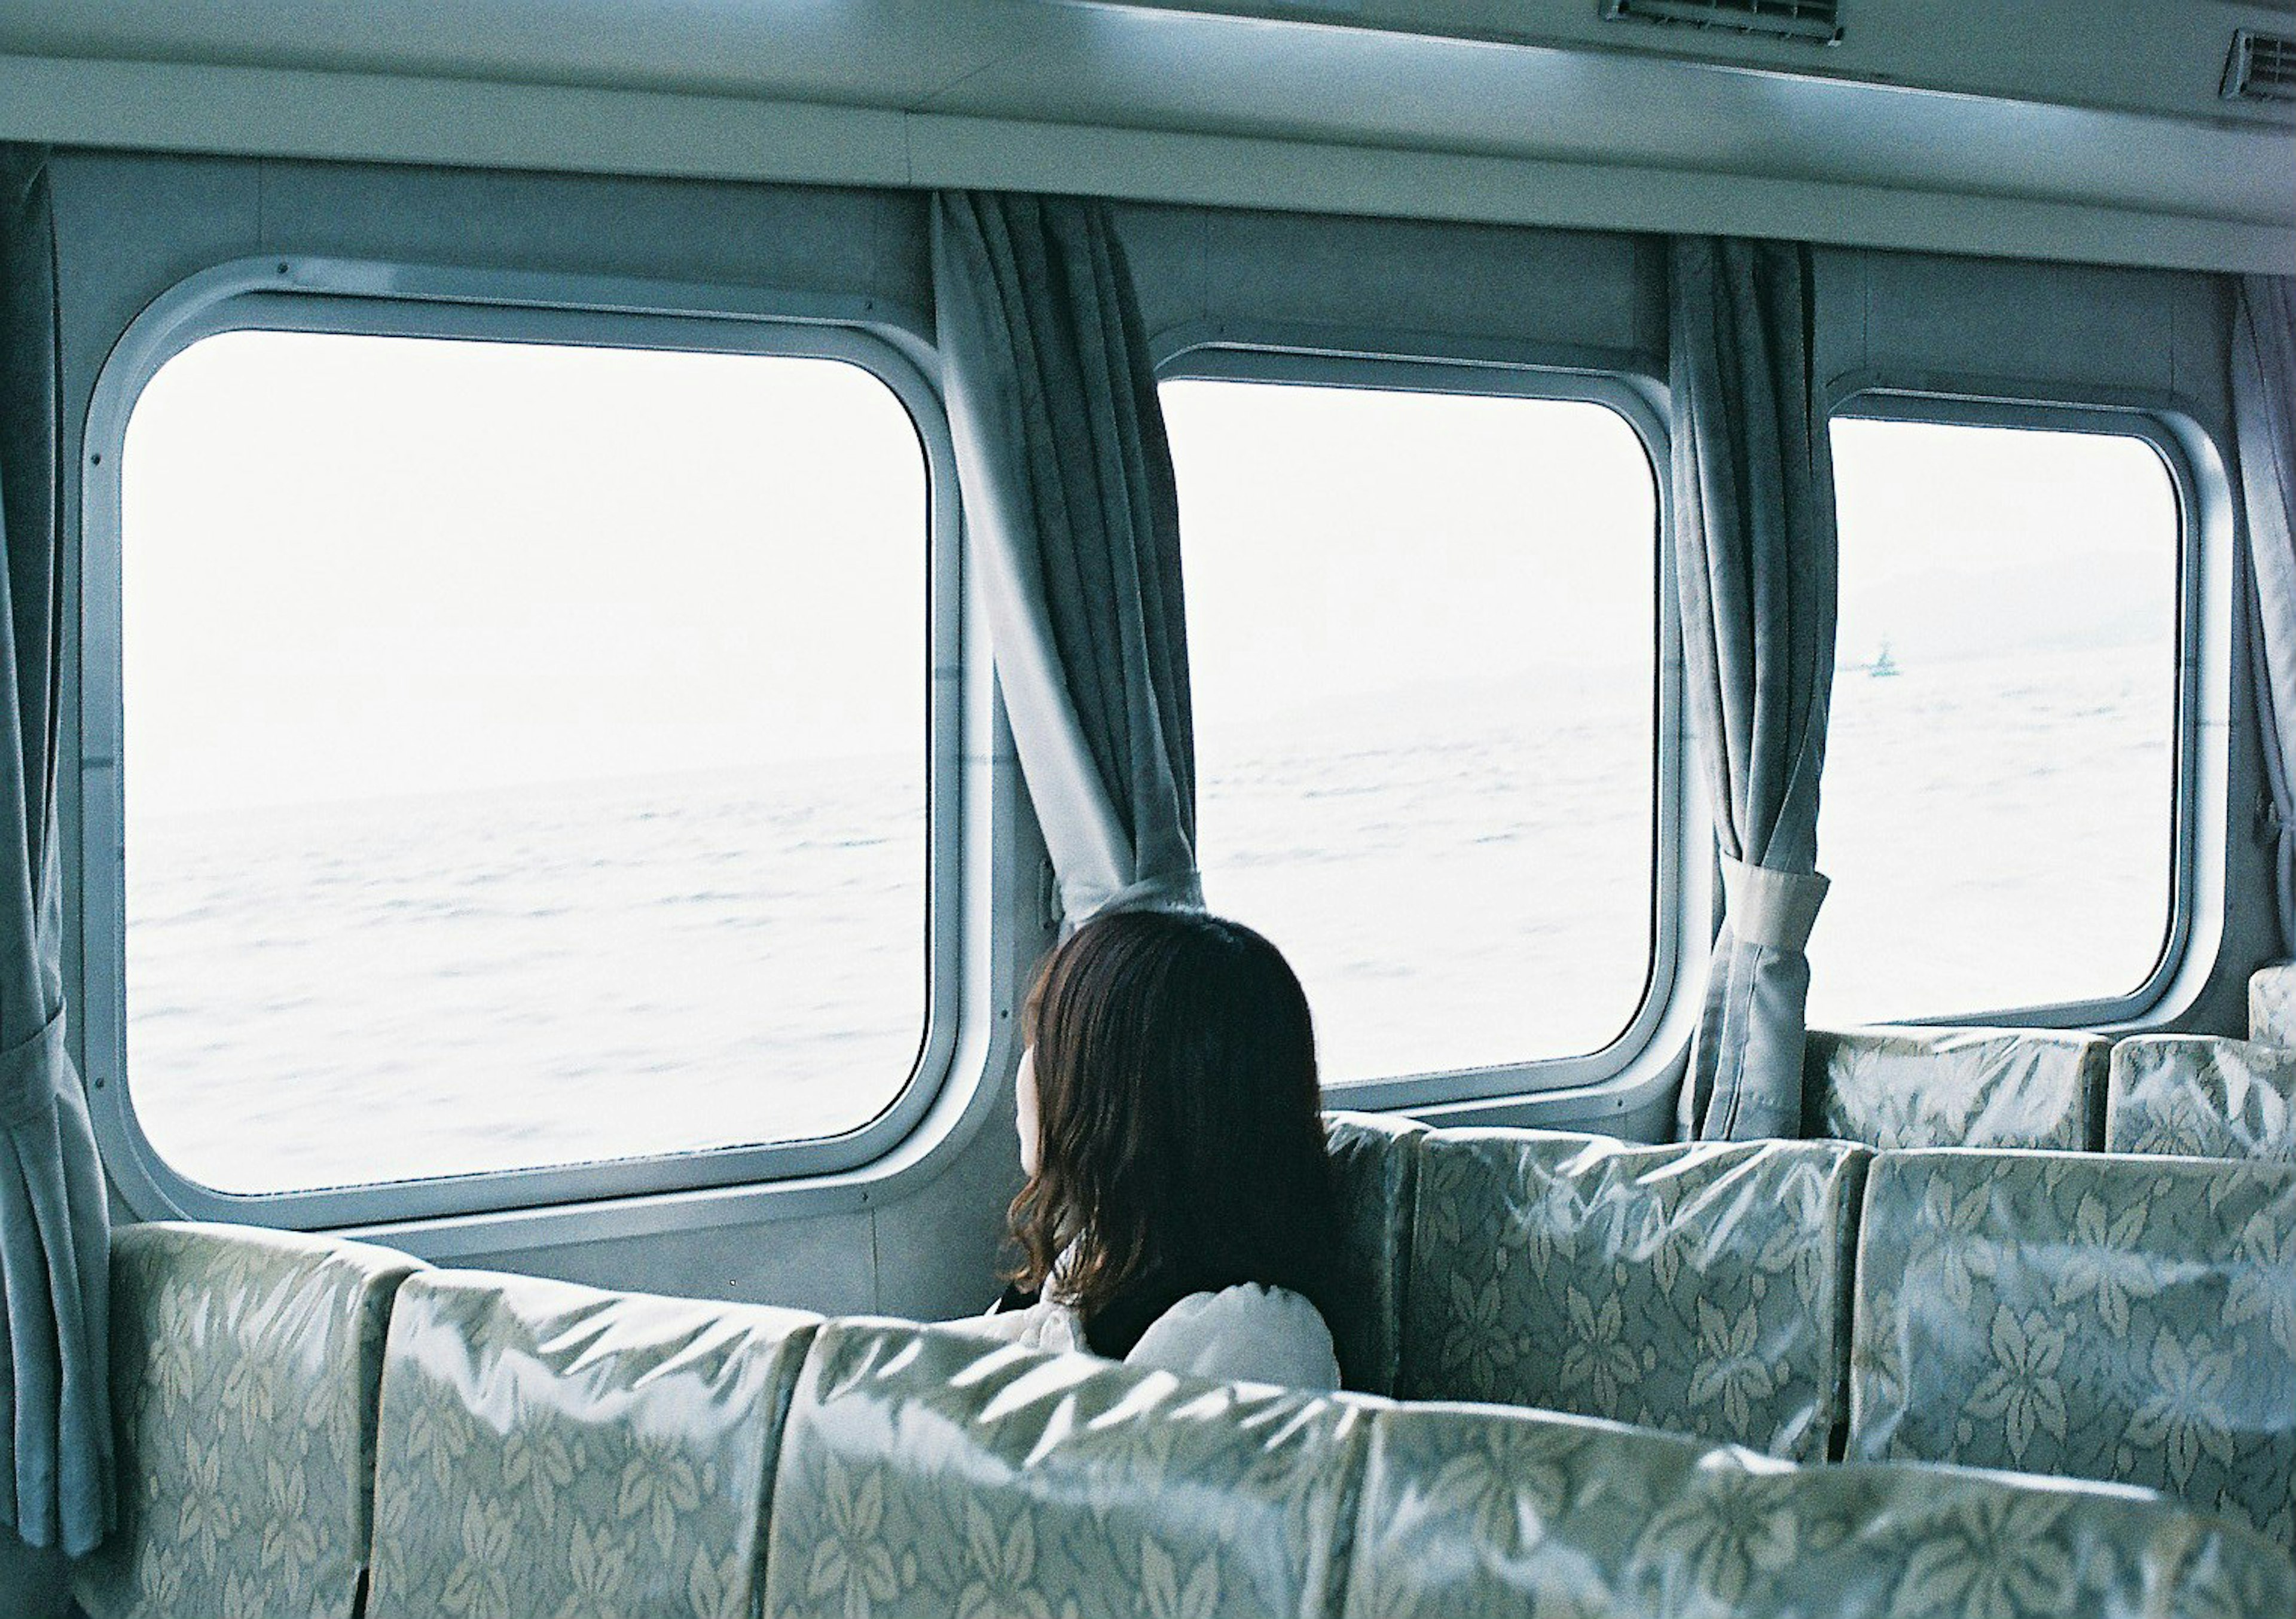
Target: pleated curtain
(1756, 562)
(1073, 533)
(2264, 417)
(55, 1468)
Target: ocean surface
(335, 995)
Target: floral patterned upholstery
(551, 1451)
(1910, 1087)
(1702, 1287)
(1375, 1164)
(2272, 1004)
(244, 1371)
(925, 1473)
(2093, 1317)
(1468, 1511)
(2198, 1097)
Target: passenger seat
(244, 1366)
(1374, 1174)
(553, 1449)
(2272, 1005)
(1702, 1287)
(1472, 1511)
(925, 1474)
(2197, 1096)
(2123, 1319)
(1955, 1087)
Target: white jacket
(1247, 1334)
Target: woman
(1177, 1212)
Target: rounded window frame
(2193, 931)
(1643, 1055)
(364, 298)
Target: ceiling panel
(1658, 107)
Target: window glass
(524, 756)
(1998, 811)
(1422, 640)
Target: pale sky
(1962, 542)
(1340, 541)
(358, 566)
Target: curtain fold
(2264, 425)
(1756, 561)
(55, 1443)
(1073, 529)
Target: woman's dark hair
(1179, 1134)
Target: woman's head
(1172, 1070)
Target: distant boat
(1884, 666)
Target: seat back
(1375, 1171)
(1474, 1511)
(2131, 1318)
(244, 1365)
(927, 1473)
(551, 1449)
(2272, 1004)
(1916, 1087)
(2196, 1096)
(1702, 1287)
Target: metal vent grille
(2262, 68)
(1816, 22)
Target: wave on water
(339, 995)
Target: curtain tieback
(1174, 891)
(28, 1074)
(1774, 909)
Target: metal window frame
(2193, 929)
(370, 298)
(1641, 1056)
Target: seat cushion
(931, 1473)
(1470, 1511)
(244, 1365)
(2198, 1097)
(2272, 1004)
(1916, 1087)
(2097, 1317)
(551, 1449)
(1700, 1287)
(1374, 1165)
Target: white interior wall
(922, 1244)
(130, 227)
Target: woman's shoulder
(1031, 1322)
(1247, 1333)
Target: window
(1999, 812)
(1422, 634)
(525, 754)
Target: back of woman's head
(1179, 1130)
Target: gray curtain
(1755, 555)
(1073, 531)
(55, 1443)
(2264, 417)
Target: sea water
(337, 995)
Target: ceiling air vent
(1816, 22)
(2262, 68)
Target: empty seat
(1702, 1287)
(1962, 1087)
(2201, 1097)
(2097, 1317)
(551, 1449)
(2272, 1004)
(1374, 1171)
(1472, 1511)
(244, 1364)
(926, 1473)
